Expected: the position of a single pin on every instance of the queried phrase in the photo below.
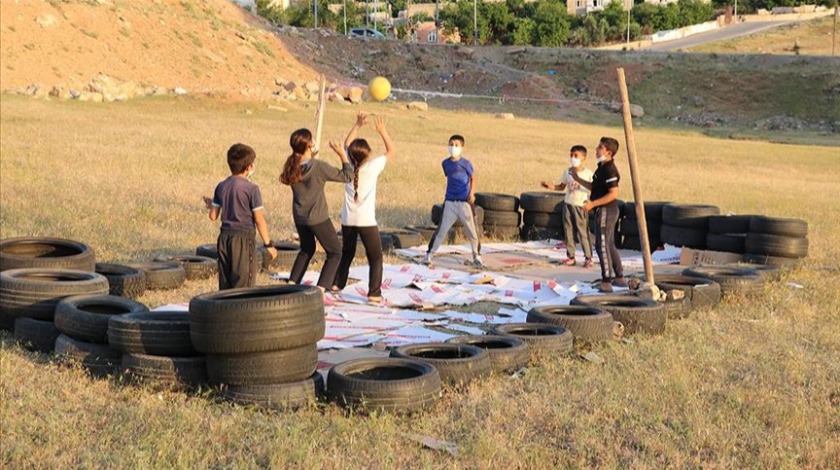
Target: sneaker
(569, 262)
(476, 263)
(605, 287)
(374, 299)
(427, 260)
(619, 282)
(587, 263)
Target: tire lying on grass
(701, 292)
(36, 335)
(34, 292)
(98, 359)
(270, 367)
(286, 254)
(387, 384)
(771, 273)
(677, 309)
(161, 275)
(732, 280)
(85, 317)
(506, 352)
(457, 364)
(778, 226)
(257, 319)
(585, 323)
(542, 201)
(158, 333)
(404, 238)
(776, 245)
(775, 261)
(541, 337)
(425, 231)
(195, 267)
(208, 250)
(638, 315)
(45, 252)
(281, 397)
(123, 280)
(172, 373)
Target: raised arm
(341, 175)
(361, 120)
(386, 138)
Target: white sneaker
(427, 260)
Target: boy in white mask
(460, 197)
(573, 181)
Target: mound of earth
(206, 46)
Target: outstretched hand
(379, 124)
(337, 148)
(361, 118)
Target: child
(604, 194)
(307, 176)
(239, 203)
(358, 216)
(460, 196)
(577, 194)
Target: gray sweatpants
(574, 218)
(452, 211)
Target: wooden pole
(319, 113)
(635, 176)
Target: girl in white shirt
(358, 216)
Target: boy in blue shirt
(238, 202)
(460, 197)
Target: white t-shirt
(576, 194)
(362, 213)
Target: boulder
(417, 106)
(504, 116)
(312, 86)
(355, 95)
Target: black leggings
(325, 234)
(373, 251)
(605, 220)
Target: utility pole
(345, 17)
(834, 31)
(475, 22)
(736, 11)
(315, 2)
(628, 26)
(437, 13)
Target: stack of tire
(501, 215)
(83, 323)
(260, 343)
(37, 272)
(629, 226)
(776, 241)
(542, 216)
(728, 233)
(123, 281)
(686, 225)
(456, 231)
(157, 350)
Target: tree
(524, 31)
(551, 24)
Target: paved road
(729, 32)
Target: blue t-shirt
(238, 198)
(458, 174)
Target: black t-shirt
(605, 178)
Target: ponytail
(299, 141)
(358, 152)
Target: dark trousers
(238, 265)
(326, 236)
(373, 251)
(574, 218)
(605, 220)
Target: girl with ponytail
(358, 216)
(307, 177)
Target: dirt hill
(199, 45)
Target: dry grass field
(750, 384)
(813, 37)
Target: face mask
(601, 159)
(455, 151)
(574, 161)
(251, 172)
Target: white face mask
(251, 172)
(455, 151)
(574, 161)
(601, 159)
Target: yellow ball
(379, 88)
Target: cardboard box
(694, 257)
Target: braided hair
(357, 152)
(300, 140)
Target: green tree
(524, 30)
(552, 24)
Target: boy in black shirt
(239, 204)
(603, 200)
